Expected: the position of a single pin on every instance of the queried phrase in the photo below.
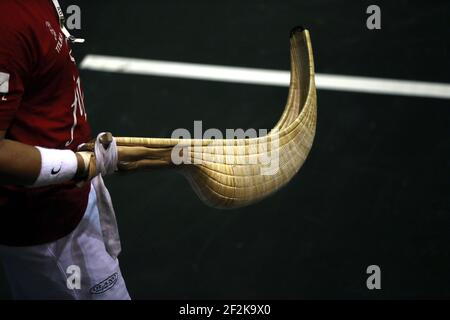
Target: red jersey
(41, 104)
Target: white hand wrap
(57, 166)
(106, 160)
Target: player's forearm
(21, 164)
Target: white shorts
(74, 267)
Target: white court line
(263, 76)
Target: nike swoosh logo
(4, 98)
(55, 171)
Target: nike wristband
(57, 166)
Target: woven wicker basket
(238, 178)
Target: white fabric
(107, 218)
(106, 161)
(57, 166)
(40, 272)
(4, 82)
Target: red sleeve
(15, 63)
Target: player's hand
(132, 158)
(87, 167)
(100, 158)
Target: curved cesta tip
(296, 29)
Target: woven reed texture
(231, 173)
